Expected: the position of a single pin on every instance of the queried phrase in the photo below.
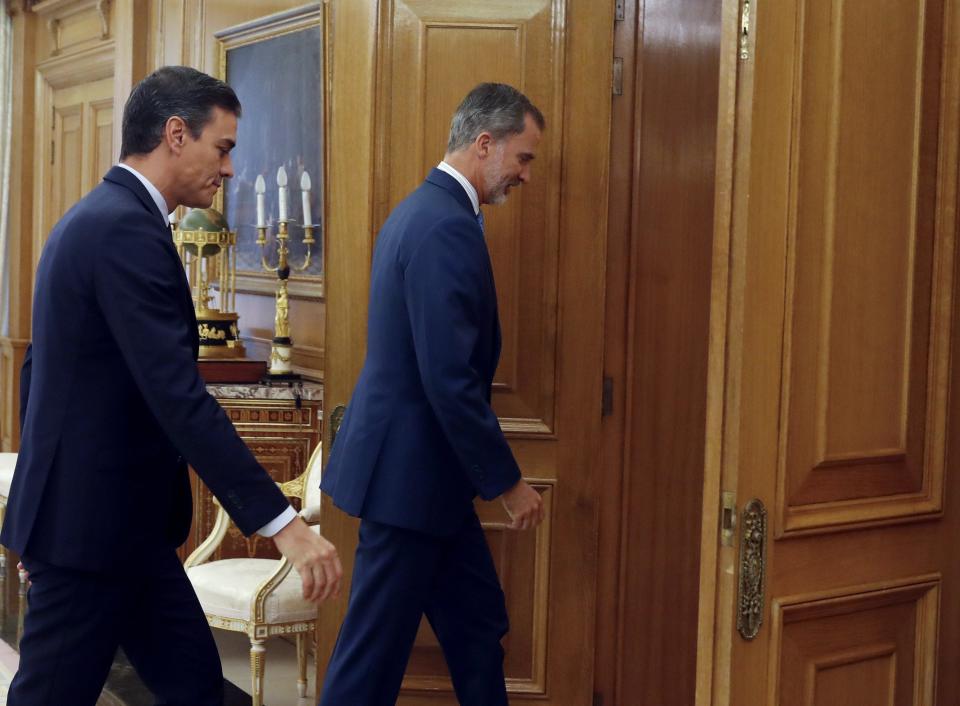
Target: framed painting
(277, 66)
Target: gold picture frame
(271, 63)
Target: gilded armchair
(259, 597)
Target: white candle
(282, 183)
(305, 193)
(261, 188)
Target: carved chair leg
(258, 658)
(3, 550)
(3, 564)
(302, 664)
(22, 607)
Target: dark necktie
(480, 221)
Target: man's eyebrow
(529, 156)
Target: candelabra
(279, 365)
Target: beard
(495, 182)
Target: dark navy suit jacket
(419, 439)
(112, 403)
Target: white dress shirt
(285, 517)
(465, 183)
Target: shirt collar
(464, 182)
(151, 189)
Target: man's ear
(483, 144)
(174, 133)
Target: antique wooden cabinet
(281, 426)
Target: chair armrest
(267, 587)
(213, 540)
(292, 488)
(311, 515)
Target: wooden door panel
(454, 46)
(863, 648)
(547, 248)
(101, 120)
(858, 431)
(839, 335)
(75, 112)
(67, 158)
(522, 561)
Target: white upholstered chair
(259, 597)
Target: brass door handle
(753, 565)
(336, 418)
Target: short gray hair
(496, 108)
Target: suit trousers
(400, 575)
(76, 620)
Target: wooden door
(547, 245)
(75, 131)
(838, 413)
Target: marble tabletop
(259, 391)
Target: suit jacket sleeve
(445, 281)
(139, 286)
(25, 371)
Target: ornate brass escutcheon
(753, 563)
(336, 417)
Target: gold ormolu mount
(280, 351)
(208, 249)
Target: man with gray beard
(419, 440)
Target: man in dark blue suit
(113, 409)
(419, 439)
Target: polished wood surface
(838, 355)
(672, 198)
(347, 251)
(547, 247)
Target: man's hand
(314, 558)
(524, 505)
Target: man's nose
(226, 168)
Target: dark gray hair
(169, 91)
(491, 107)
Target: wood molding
(717, 564)
(12, 351)
(351, 226)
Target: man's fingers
(322, 585)
(331, 578)
(306, 577)
(338, 574)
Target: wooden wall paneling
(429, 55)
(134, 29)
(615, 511)
(455, 47)
(809, 334)
(20, 258)
(12, 353)
(676, 104)
(874, 645)
(859, 426)
(713, 630)
(66, 85)
(348, 248)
